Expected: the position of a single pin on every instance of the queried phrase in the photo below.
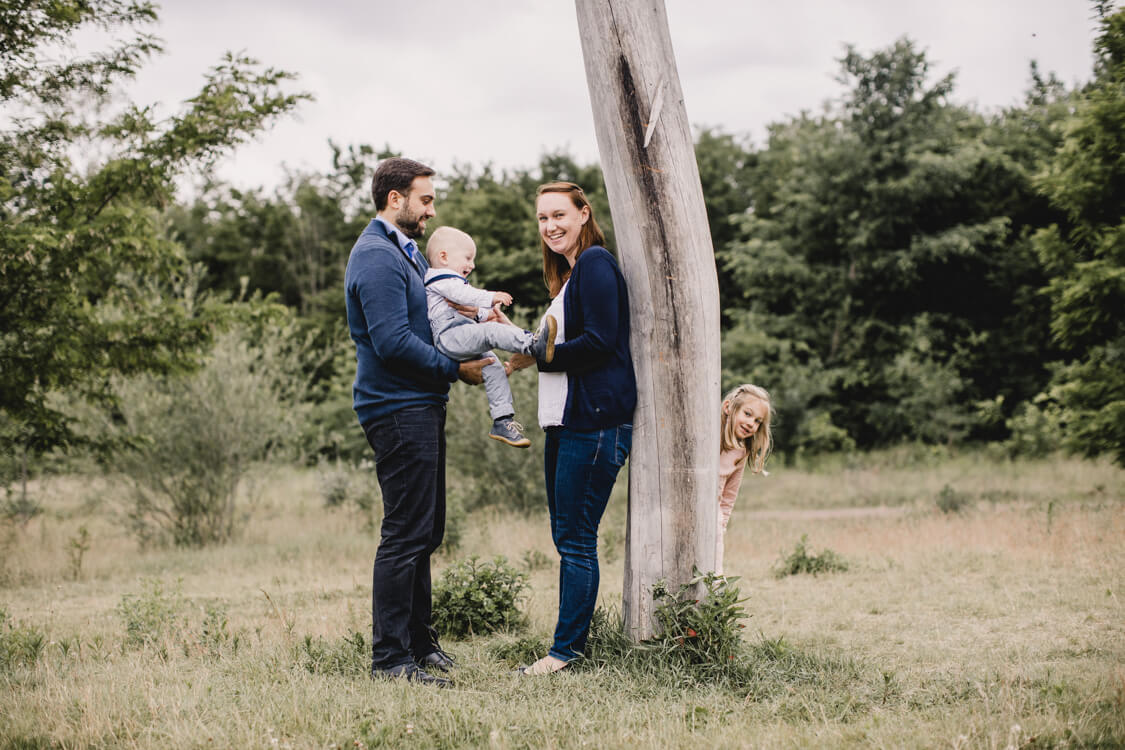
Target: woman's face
(560, 223)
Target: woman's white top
(552, 385)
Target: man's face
(415, 208)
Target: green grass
(999, 625)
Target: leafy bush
(152, 616)
(19, 645)
(215, 638)
(698, 631)
(716, 655)
(1037, 428)
(801, 560)
(699, 640)
(474, 598)
(194, 437)
(950, 500)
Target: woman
(586, 399)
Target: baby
(451, 253)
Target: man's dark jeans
(409, 450)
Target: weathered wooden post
(660, 225)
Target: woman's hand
(497, 315)
(518, 362)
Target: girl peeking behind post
(744, 438)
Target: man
(401, 387)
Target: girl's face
(748, 417)
(560, 223)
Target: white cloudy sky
(502, 81)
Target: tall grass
(1000, 625)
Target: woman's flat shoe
(546, 665)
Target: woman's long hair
(556, 268)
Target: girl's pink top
(731, 467)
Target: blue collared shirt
(407, 245)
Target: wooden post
(660, 225)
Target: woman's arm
(597, 295)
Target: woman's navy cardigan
(601, 386)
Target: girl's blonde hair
(759, 446)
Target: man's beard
(409, 223)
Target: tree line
(897, 267)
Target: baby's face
(459, 257)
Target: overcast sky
(502, 81)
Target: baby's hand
(501, 298)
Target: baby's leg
(470, 339)
(498, 391)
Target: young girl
(744, 438)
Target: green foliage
(474, 598)
(194, 437)
(698, 632)
(215, 638)
(699, 640)
(354, 488)
(87, 276)
(19, 507)
(76, 548)
(803, 560)
(950, 500)
(884, 268)
(716, 655)
(152, 616)
(726, 165)
(520, 651)
(20, 645)
(455, 522)
(489, 472)
(1085, 179)
(535, 559)
(765, 350)
(1036, 428)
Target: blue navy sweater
(601, 386)
(397, 365)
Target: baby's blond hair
(444, 238)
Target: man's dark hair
(396, 174)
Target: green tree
(86, 268)
(726, 164)
(1085, 254)
(887, 243)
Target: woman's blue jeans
(580, 468)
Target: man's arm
(381, 288)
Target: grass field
(982, 607)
